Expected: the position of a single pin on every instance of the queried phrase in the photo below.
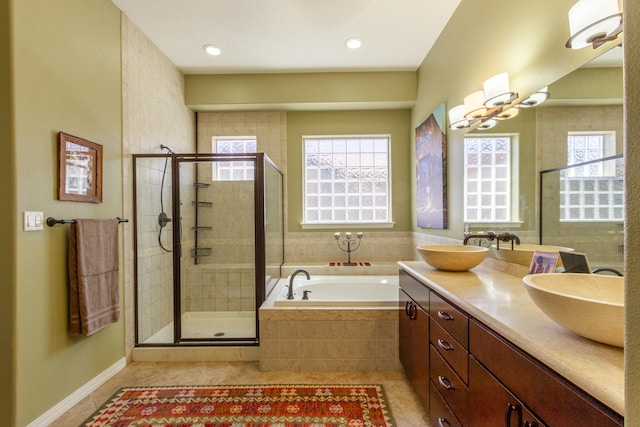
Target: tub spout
(293, 276)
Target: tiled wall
(211, 288)
(554, 123)
(329, 340)
(151, 117)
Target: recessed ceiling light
(353, 43)
(212, 49)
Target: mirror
(587, 101)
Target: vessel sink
(590, 305)
(522, 254)
(452, 257)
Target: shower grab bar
(51, 221)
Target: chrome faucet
(293, 276)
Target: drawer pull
(442, 422)
(407, 308)
(444, 345)
(444, 315)
(507, 416)
(444, 382)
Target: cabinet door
(414, 345)
(493, 405)
(404, 322)
(420, 355)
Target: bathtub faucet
(293, 276)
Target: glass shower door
(217, 257)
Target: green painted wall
(300, 91)
(66, 65)
(7, 227)
(393, 122)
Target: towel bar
(51, 221)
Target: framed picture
(431, 171)
(543, 262)
(79, 169)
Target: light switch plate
(33, 221)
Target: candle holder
(348, 244)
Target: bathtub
(341, 291)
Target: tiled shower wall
(602, 242)
(150, 117)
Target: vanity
(479, 352)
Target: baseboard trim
(74, 398)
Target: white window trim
(347, 224)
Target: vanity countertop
(501, 302)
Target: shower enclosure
(582, 207)
(209, 246)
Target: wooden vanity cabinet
(413, 321)
(465, 374)
(553, 399)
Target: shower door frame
(259, 160)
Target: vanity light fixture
(484, 108)
(456, 118)
(536, 98)
(594, 22)
(497, 92)
(212, 49)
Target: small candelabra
(349, 244)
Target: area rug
(250, 405)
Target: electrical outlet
(33, 221)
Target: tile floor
(405, 408)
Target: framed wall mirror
(79, 169)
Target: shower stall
(209, 246)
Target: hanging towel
(93, 275)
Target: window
(487, 179)
(234, 170)
(346, 179)
(594, 191)
(587, 146)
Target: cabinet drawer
(450, 386)
(415, 289)
(552, 398)
(440, 414)
(450, 350)
(450, 318)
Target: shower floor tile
(210, 324)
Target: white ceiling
(268, 36)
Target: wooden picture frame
(79, 169)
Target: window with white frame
(593, 191)
(233, 170)
(488, 178)
(346, 179)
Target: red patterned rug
(251, 405)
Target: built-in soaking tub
(340, 291)
(349, 323)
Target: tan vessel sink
(452, 257)
(590, 305)
(522, 254)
